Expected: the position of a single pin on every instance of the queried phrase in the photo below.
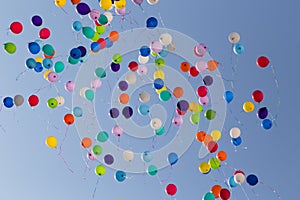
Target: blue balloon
(47, 63)
(30, 63)
(95, 47)
(77, 112)
(38, 67)
(158, 83)
(172, 158)
(143, 109)
(77, 26)
(231, 182)
(120, 176)
(238, 49)
(108, 43)
(75, 53)
(266, 124)
(145, 51)
(8, 102)
(228, 96)
(164, 52)
(83, 8)
(252, 179)
(236, 141)
(82, 50)
(34, 47)
(147, 156)
(151, 22)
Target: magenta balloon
(121, 11)
(94, 14)
(70, 86)
(137, 2)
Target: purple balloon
(36, 20)
(262, 113)
(114, 113)
(123, 85)
(114, 67)
(83, 9)
(83, 50)
(208, 80)
(109, 159)
(137, 2)
(127, 112)
(183, 105)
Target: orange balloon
(74, 2)
(212, 65)
(124, 98)
(185, 66)
(221, 155)
(178, 92)
(216, 190)
(113, 36)
(200, 136)
(69, 119)
(86, 142)
(207, 139)
(50, 57)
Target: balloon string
(95, 187)
(67, 13)
(65, 137)
(272, 189)
(65, 162)
(277, 89)
(246, 195)
(2, 128)
(21, 74)
(159, 180)
(169, 174)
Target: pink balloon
(121, 11)
(70, 86)
(96, 83)
(52, 77)
(201, 65)
(91, 156)
(117, 130)
(177, 121)
(156, 46)
(142, 70)
(200, 50)
(204, 100)
(137, 2)
(94, 14)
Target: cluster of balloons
(234, 39)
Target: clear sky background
(30, 170)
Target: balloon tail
(21, 74)
(63, 141)
(65, 162)
(246, 195)
(95, 189)
(272, 189)
(2, 129)
(277, 90)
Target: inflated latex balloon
(114, 113)
(69, 119)
(44, 33)
(120, 176)
(258, 96)
(131, 78)
(152, 2)
(231, 182)
(109, 16)
(152, 170)
(204, 168)
(156, 123)
(228, 96)
(117, 130)
(94, 14)
(83, 8)
(128, 155)
(77, 111)
(60, 3)
(16, 27)
(172, 158)
(60, 100)
(216, 135)
(216, 190)
(18, 100)
(127, 112)
(52, 103)
(8, 102)
(234, 37)
(208, 80)
(109, 159)
(144, 97)
(10, 47)
(262, 112)
(235, 132)
(252, 179)
(52, 77)
(86, 142)
(224, 194)
(195, 118)
(34, 47)
(248, 106)
(212, 146)
(70, 86)
(177, 121)
(171, 189)
(262, 61)
(200, 50)
(156, 46)
(208, 196)
(36, 20)
(102, 136)
(201, 65)
(221, 155)
(120, 4)
(137, 2)
(33, 100)
(202, 91)
(239, 178)
(266, 124)
(100, 170)
(200, 136)
(210, 114)
(100, 72)
(204, 100)
(236, 141)
(238, 49)
(165, 39)
(151, 22)
(51, 141)
(143, 60)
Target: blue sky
(31, 170)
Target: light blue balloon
(30, 63)
(231, 182)
(89, 95)
(238, 49)
(102, 136)
(147, 156)
(77, 26)
(144, 109)
(120, 176)
(47, 63)
(172, 158)
(77, 112)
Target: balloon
(238, 49)
(151, 23)
(114, 67)
(257, 96)
(18, 100)
(106, 4)
(185, 66)
(172, 158)
(120, 176)
(202, 91)
(177, 121)
(44, 33)
(142, 70)
(77, 26)
(160, 63)
(209, 196)
(121, 11)
(59, 67)
(47, 63)
(127, 112)
(252, 179)
(238, 171)
(89, 95)
(171, 189)
(239, 178)
(200, 136)
(214, 163)
(200, 50)
(16, 27)
(114, 113)
(165, 39)
(108, 43)
(128, 155)
(70, 86)
(69, 119)
(234, 37)
(133, 66)
(10, 47)
(160, 131)
(182, 105)
(123, 85)
(38, 67)
(48, 49)
(204, 100)
(102, 136)
(204, 168)
(117, 130)
(130, 78)
(96, 83)
(224, 194)
(113, 36)
(91, 156)
(231, 182)
(266, 124)
(137, 2)
(221, 155)
(262, 61)
(51, 141)
(262, 113)
(201, 65)
(75, 53)
(86, 142)
(144, 97)
(109, 159)
(109, 16)
(36, 20)
(207, 139)
(178, 92)
(8, 102)
(33, 100)
(236, 141)
(152, 170)
(97, 150)
(52, 77)
(144, 109)
(212, 146)
(216, 190)
(193, 72)
(74, 2)
(147, 156)
(60, 3)
(156, 123)
(235, 132)
(195, 118)
(52, 103)
(83, 8)
(95, 47)
(212, 65)
(145, 51)
(88, 32)
(60, 100)
(210, 114)
(77, 111)
(248, 106)
(228, 96)
(216, 135)
(100, 170)
(158, 83)
(103, 19)
(100, 72)
(30, 63)
(152, 2)
(94, 14)
(208, 80)
(34, 47)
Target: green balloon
(96, 37)
(72, 60)
(160, 63)
(52, 103)
(102, 136)
(154, 54)
(10, 47)
(152, 170)
(160, 131)
(210, 114)
(97, 150)
(89, 95)
(102, 19)
(100, 170)
(214, 163)
(200, 108)
(209, 196)
(195, 118)
(88, 32)
(100, 29)
(48, 50)
(117, 58)
(59, 67)
(100, 72)
(165, 95)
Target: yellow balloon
(106, 4)
(204, 167)
(216, 135)
(159, 74)
(39, 59)
(60, 3)
(193, 107)
(51, 142)
(120, 4)
(248, 106)
(162, 89)
(46, 73)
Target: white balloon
(128, 155)
(152, 2)
(109, 16)
(239, 178)
(82, 91)
(156, 123)
(234, 37)
(144, 97)
(130, 78)
(60, 100)
(235, 132)
(171, 47)
(143, 59)
(142, 70)
(165, 39)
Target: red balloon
(171, 189)
(212, 146)
(238, 172)
(133, 66)
(102, 43)
(202, 91)
(194, 72)
(224, 194)
(33, 100)
(262, 61)
(179, 112)
(257, 96)
(16, 27)
(44, 33)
